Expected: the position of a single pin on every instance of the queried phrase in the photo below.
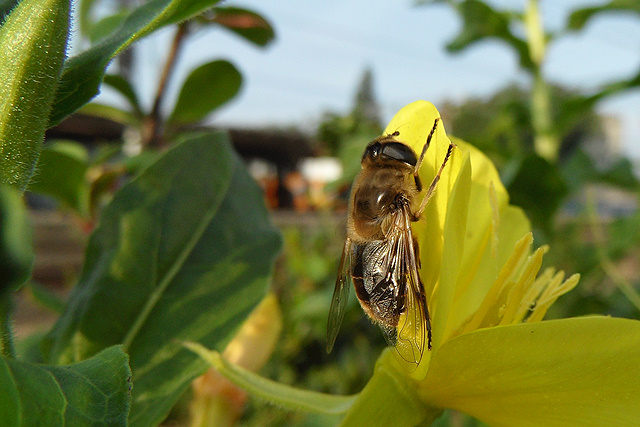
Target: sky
(322, 49)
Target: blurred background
(549, 90)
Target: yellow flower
(492, 356)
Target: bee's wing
(413, 331)
(340, 296)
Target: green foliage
(82, 75)
(33, 41)
(183, 251)
(481, 21)
(94, 391)
(205, 89)
(548, 120)
(170, 260)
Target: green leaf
(184, 251)
(125, 88)
(93, 392)
(62, 175)
(16, 246)
(207, 88)
(33, 42)
(480, 22)
(82, 74)
(579, 18)
(111, 113)
(283, 395)
(245, 23)
(106, 26)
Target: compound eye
(373, 150)
(400, 152)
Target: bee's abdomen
(379, 293)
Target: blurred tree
(345, 136)
(364, 117)
(366, 108)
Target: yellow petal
(580, 371)
(455, 231)
(474, 257)
(497, 266)
(414, 122)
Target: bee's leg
(434, 184)
(416, 169)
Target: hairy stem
(546, 142)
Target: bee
(381, 255)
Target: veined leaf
(33, 40)
(82, 74)
(183, 252)
(207, 88)
(61, 175)
(245, 23)
(96, 391)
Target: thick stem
(546, 142)
(6, 331)
(153, 124)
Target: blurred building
(605, 150)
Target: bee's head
(387, 150)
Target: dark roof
(282, 147)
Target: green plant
(88, 181)
(550, 118)
(493, 356)
(184, 251)
(541, 161)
